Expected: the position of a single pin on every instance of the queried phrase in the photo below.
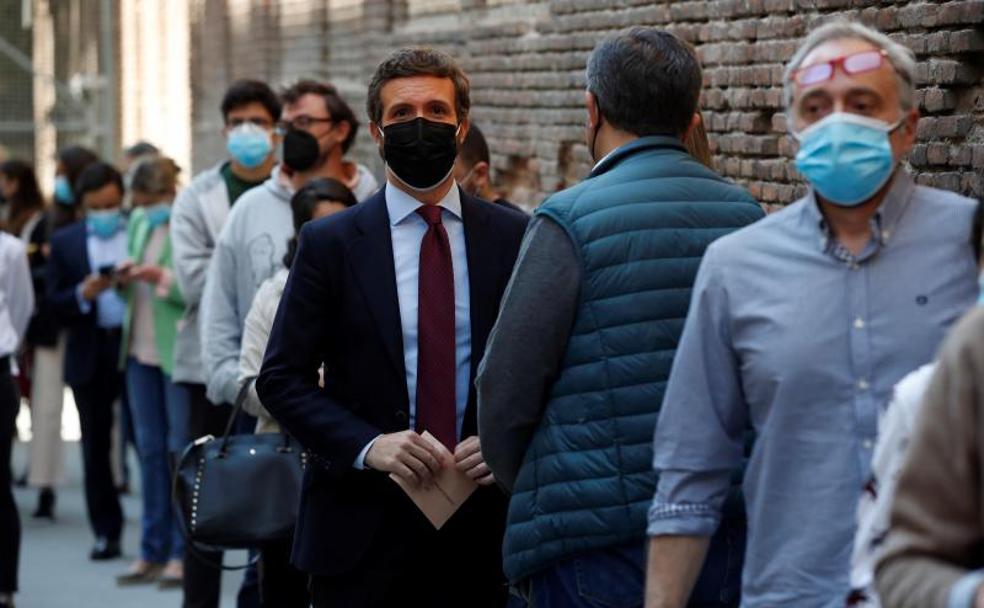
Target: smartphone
(107, 270)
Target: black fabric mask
(301, 150)
(420, 152)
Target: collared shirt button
(863, 384)
(868, 444)
(855, 266)
(859, 323)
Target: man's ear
(905, 136)
(463, 128)
(480, 174)
(695, 121)
(594, 112)
(376, 133)
(342, 130)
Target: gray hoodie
(250, 250)
(199, 213)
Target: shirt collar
(885, 220)
(400, 205)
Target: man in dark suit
(83, 299)
(396, 297)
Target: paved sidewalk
(55, 571)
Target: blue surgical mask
(104, 224)
(63, 191)
(158, 214)
(249, 145)
(847, 158)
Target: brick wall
(526, 62)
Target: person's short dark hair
(647, 81)
(74, 159)
(307, 199)
(334, 104)
(142, 148)
(96, 176)
(474, 149)
(406, 63)
(245, 92)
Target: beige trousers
(47, 396)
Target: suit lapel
(372, 264)
(483, 290)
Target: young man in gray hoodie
(254, 239)
(250, 110)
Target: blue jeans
(159, 409)
(616, 577)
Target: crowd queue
(664, 397)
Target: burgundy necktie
(436, 369)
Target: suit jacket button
(401, 417)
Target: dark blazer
(340, 307)
(67, 267)
(43, 330)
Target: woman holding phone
(159, 407)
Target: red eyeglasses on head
(856, 63)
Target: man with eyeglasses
(249, 110)
(317, 127)
(799, 327)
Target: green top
(234, 184)
(168, 308)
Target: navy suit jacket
(340, 307)
(67, 267)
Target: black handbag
(240, 491)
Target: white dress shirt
(16, 293)
(407, 230)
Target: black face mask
(420, 152)
(301, 150)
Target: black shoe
(105, 549)
(46, 505)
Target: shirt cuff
(84, 305)
(964, 591)
(682, 519)
(360, 460)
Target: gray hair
(901, 57)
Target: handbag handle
(236, 409)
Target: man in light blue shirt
(85, 259)
(800, 326)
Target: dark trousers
(409, 564)
(281, 584)
(202, 581)
(9, 521)
(95, 400)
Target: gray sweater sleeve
(526, 346)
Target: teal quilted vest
(640, 224)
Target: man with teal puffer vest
(574, 374)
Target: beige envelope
(448, 491)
